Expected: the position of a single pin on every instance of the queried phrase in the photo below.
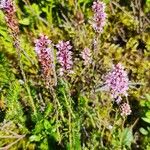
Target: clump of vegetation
(74, 74)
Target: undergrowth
(74, 111)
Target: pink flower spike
(8, 8)
(99, 18)
(7, 5)
(125, 109)
(98, 6)
(86, 56)
(43, 48)
(117, 81)
(64, 56)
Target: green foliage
(73, 115)
(147, 6)
(45, 134)
(145, 130)
(127, 137)
(13, 103)
(5, 74)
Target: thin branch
(24, 52)
(5, 125)
(10, 145)
(117, 5)
(136, 83)
(10, 137)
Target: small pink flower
(99, 18)
(42, 43)
(118, 99)
(98, 6)
(86, 56)
(125, 109)
(7, 5)
(12, 23)
(117, 81)
(2, 4)
(64, 56)
(43, 48)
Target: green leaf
(148, 128)
(127, 137)
(106, 1)
(3, 33)
(47, 125)
(148, 97)
(48, 110)
(39, 127)
(35, 138)
(36, 9)
(143, 131)
(44, 144)
(25, 21)
(148, 114)
(146, 119)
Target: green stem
(18, 50)
(70, 131)
(56, 101)
(27, 87)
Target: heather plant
(64, 57)
(99, 16)
(86, 56)
(74, 74)
(46, 59)
(11, 20)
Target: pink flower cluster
(64, 56)
(99, 18)
(45, 56)
(86, 56)
(117, 81)
(125, 109)
(8, 7)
